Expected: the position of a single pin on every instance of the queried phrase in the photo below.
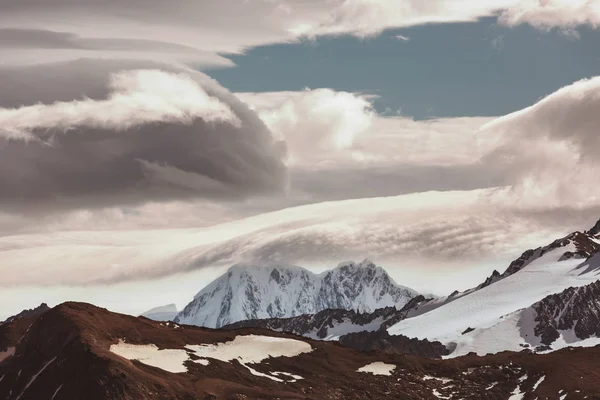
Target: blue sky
(447, 70)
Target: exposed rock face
(66, 355)
(253, 292)
(384, 342)
(575, 309)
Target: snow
(277, 291)
(443, 380)
(56, 392)
(497, 312)
(439, 395)
(246, 349)
(295, 378)
(34, 377)
(250, 349)
(538, 383)
(378, 368)
(149, 354)
(5, 354)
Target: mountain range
(530, 332)
(545, 300)
(251, 292)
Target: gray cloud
(159, 139)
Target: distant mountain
(163, 313)
(79, 351)
(255, 292)
(546, 299)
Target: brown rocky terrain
(66, 354)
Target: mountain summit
(253, 292)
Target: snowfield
(499, 313)
(378, 368)
(247, 349)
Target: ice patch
(378, 368)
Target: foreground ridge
(77, 351)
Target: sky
(146, 147)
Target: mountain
(163, 313)
(505, 311)
(256, 292)
(361, 331)
(27, 314)
(13, 329)
(79, 351)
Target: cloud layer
(110, 132)
(37, 31)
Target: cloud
(137, 97)
(402, 38)
(547, 14)
(36, 31)
(101, 133)
(313, 122)
(552, 147)
(324, 129)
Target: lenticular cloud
(81, 133)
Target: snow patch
(535, 385)
(56, 392)
(378, 368)
(168, 359)
(247, 349)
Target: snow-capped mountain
(256, 292)
(163, 313)
(502, 313)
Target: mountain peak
(248, 291)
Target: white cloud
(548, 14)
(324, 128)
(313, 122)
(402, 38)
(552, 147)
(137, 97)
(36, 31)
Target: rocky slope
(573, 313)
(78, 351)
(256, 292)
